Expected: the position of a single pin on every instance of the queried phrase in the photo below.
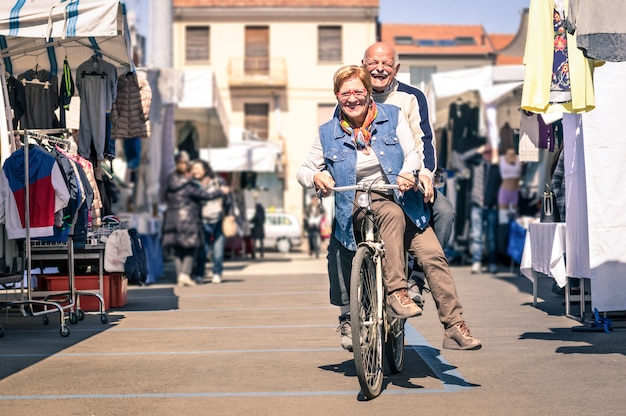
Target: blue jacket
(340, 156)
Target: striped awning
(42, 33)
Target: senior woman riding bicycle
(365, 142)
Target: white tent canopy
(43, 33)
(245, 156)
(455, 83)
(490, 83)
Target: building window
(403, 40)
(256, 119)
(329, 44)
(257, 50)
(465, 41)
(420, 75)
(196, 43)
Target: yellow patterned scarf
(360, 135)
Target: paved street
(264, 343)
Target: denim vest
(340, 156)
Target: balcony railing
(257, 72)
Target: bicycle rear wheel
(367, 328)
(394, 346)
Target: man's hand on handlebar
(427, 188)
(323, 183)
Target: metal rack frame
(29, 299)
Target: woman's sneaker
(345, 330)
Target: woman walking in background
(258, 229)
(213, 212)
(182, 223)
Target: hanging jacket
(48, 193)
(131, 110)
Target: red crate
(88, 303)
(119, 290)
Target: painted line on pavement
(450, 378)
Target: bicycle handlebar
(365, 186)
(369, 186)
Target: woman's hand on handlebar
(323, 183)
(405, 182)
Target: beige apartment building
(271, 63)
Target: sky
(496, 16)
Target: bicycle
(375, 333)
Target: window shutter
(257, 49)
(329, 44)
(197, 43)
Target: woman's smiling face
(354, 100)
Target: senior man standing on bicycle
(364, 142)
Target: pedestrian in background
(486, 181)
(213, 212)
(182, 222)
(258, 230)
(313, 214)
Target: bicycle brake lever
(420, 187)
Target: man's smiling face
(380, 63)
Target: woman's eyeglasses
(359, 94)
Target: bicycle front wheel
(394, 347)
(367, 328)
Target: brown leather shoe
(400, 305)
(458, 337)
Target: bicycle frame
(375, 334)
(377, 246)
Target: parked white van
(282, 231)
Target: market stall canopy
(244, 156)
(490, 83)
(202, 105)
(42, 33)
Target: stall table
(544, 252)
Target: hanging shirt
(41, 94)
(599, 28)
(560, 85)
(538, 59)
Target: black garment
(41, 99)
(258, 223)
(459, 125)
(17, 99)
(493, 180)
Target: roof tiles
(276, 3)
(438, 39)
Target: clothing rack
(43, 138)
(29, 300)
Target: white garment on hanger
(117, 248)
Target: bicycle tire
(394, 346)
(367, 329)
